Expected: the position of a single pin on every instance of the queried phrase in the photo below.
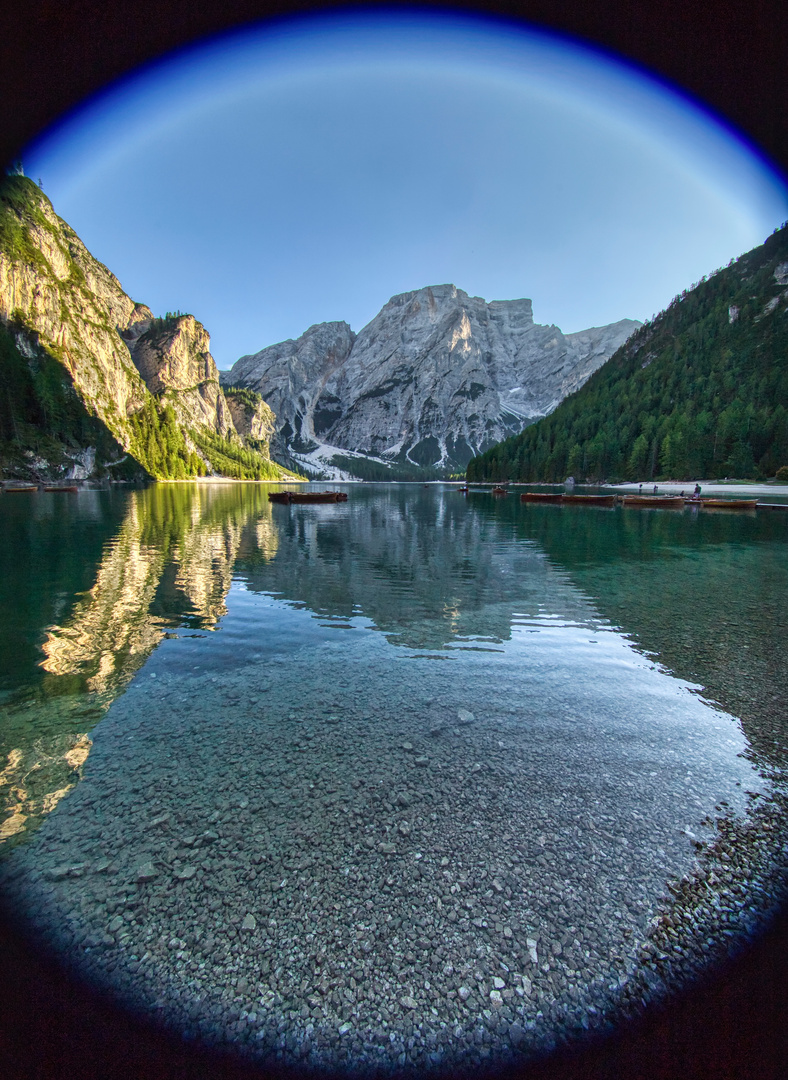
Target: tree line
(699, 391)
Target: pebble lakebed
(383, 868)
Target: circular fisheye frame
(326, 748)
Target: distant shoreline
(708, 487)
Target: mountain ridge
(433, 377)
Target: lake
(417, 781)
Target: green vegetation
(41, 415)
(20, 198)
(160, 446)
(701, 391)
(242, 394)
(365, 469)
(230, 457)
(782, 474)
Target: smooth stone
(516, 1034)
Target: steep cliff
(93, 382)
(173, 356)
(253, 419)
(292, 376)
(436, 377)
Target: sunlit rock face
(251, 421)
(435, 378)
(59, 297)
(173, 356)
(61, 303)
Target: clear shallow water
(397, 791)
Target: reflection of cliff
(33, 783)
(416, 563)
(192, 532)
(206, 550)
(171, 559)
(110, 632)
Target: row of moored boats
(664, 502)
(15, 489)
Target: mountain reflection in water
(169, 563)
(300, 836)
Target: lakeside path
(710, 487)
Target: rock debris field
(363, 861)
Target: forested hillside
(700, 391)
(91, 384)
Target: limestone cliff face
(173, 356)
(436, 377)
(252, 418)
(63, 313)
(59, 297)
(293, 376)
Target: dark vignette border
(729, 55)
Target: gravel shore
(427, 877)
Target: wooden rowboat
(590, 500)
(307, 496)
(542, 496)
(15, 489)
(61, 487)
(499, 491)
(728, 504)
(676, 501)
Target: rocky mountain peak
(433, 379)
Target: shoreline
(708, 487)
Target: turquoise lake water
(407, 782)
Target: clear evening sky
(311, 169)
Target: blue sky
(310, 169)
